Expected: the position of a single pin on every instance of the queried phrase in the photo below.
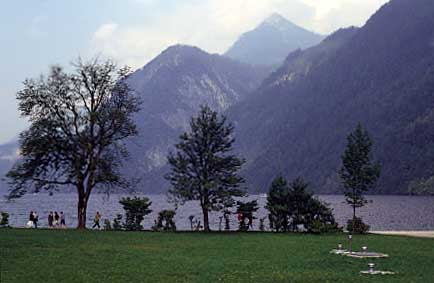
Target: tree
(165, 221)
(277, 205)
(203, 168)
(135, 211)
(78, 122)
(291, 206)
(358, 173)
(246, 209)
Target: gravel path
(420, 234)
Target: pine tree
(358, 172)
(203, 168)
(277, 205)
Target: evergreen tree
(299, 201)
(277, 205)
(135, 211)
(291, 206)
(358, 173)
(203, 168)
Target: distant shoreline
(418, 234)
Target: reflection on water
(383, 213)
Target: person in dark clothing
(56, 219)
(31, 220)
(62, 220)
(50, 219)
(35, 219)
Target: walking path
(420, 234)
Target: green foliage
(422, 186)
(359, 226)
(165, 221)
(4, 222)
(117, 222)
(358, 172)
(292, 206)
(107, 225)
(202, 168)
(246, 209)
(135, 211)
(78, 121)
(277, 205)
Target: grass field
(97, 256)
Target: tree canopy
(78, 122)
(358, 172)
(203, 168)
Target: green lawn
(97, 256)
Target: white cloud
(214, 25)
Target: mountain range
(270, 42)
(381, 75)
(294, 121)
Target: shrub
(135, 211)
(117, 222)
(359, 226)
(4, 222)
(246, 210)
(293, 208)
(165, 221)
(107, 225)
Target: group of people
(55, 220)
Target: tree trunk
(354, 216)
(81, 211)
(205, 219)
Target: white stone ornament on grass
(371, 271)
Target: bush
(165, 221)
(107, 225)
(4, 222)
(245, 210)
(359, 226)
(135, 211)
(319, 227)
(293, 208)
(117, 222)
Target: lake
(382, 213)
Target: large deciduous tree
(203, 168)
(78, 122)
(358, 172)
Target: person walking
(56, 219)
(35, 219)
(31, 222)
(62, 220)
(96, 220)
(50, 219)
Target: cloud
(214, 25)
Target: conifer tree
(358, 172)
(203, 168)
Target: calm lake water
(382, 213)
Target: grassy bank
(94, 256)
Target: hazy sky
(38, 33)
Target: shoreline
(417, 234)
